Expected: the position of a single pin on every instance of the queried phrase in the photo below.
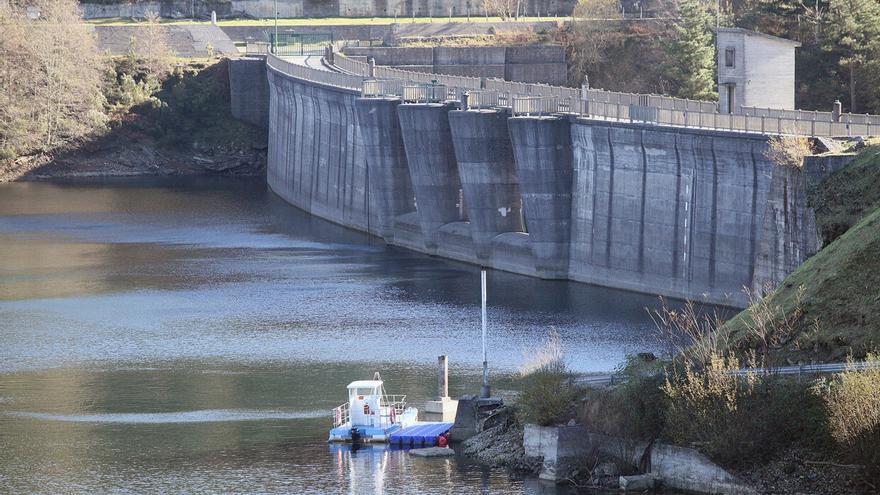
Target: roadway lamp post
(276, 27)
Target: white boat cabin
(365, 402)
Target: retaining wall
(680, 212)
(561, 450)
(310, 8)
(184, 40)
(530, 64)
(249, 90)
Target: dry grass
(549, 355)
(853, 403)
(688, 333)
(788, 150)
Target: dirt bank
(133, 154)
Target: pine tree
(691, 52)
(853, 37)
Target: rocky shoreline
(798, 471)
(137, 158)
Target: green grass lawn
(324, 21)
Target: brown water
(191, 336)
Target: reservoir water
(191, 336)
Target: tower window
(729, 57)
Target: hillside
(830, 306)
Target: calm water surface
(190, 336)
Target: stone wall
(530, 64)
(311, 8)
(684, 213)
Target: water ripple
(203, 416)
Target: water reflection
(188, 336)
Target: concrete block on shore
(432, 452)
(638, 483)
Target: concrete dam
(687, 213)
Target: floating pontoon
(371, 415)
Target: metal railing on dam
(326, 77)
(541, 99)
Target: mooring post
(442, 377)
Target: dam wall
(317, 159)
(686, 213)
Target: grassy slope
(841, 283)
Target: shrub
(634, 409)
(740, 417)
(549, 393)
(852, 400)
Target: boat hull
(367, 434)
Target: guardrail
(256, 47)
(426, 93)
(799, 370)
(350, 65)
(543, 100)
(374, 88)
(844, 118)
(329, 78)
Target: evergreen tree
(691, 52)
(853, 37)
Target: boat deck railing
(391, 407)
(341, 415)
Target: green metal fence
(289, 44)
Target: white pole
(484, 391)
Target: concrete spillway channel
(488, 176)
(542, 147)
(390, 182)
(434, 173)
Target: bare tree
(593, 32)
(50, 76)
(505, 9)
(153, 47)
